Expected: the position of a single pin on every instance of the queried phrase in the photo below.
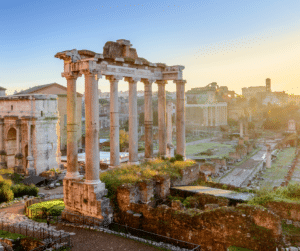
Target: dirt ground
(99, 241)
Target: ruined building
(207, 106)
(28, 133)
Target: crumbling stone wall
(285, 210)
(189, 175)
(214, 230)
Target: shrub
(178, 157)
(16, 178)
(53, 207)
(20, 190)
(6, 194)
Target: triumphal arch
(118, 60)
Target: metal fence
(48, 237)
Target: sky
(236, 43)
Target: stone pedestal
(86, 199)
(30, 166)
(19, 168)
(170, 150)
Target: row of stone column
(92, 122)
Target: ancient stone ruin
(28, 139)
(118, 61)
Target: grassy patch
(8, 235)
(279, 167)
(132, 174)
(234, 248)
(290, 193)
(222, 150)
(290, 229)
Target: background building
(61, 93)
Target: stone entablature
(28, 138)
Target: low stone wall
(247, 226)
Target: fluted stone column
(162, 135)
(72, 149)
(92, 155)
(180, 117)
(114, 121)
(3, 163)
(148, 118)
(133, 121)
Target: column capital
(161, 82)
(113, 77)
(1, 121)
(132, 80)
(182, 82)
(92, 73)
(71, 75)
(148, 81)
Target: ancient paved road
(241, 173)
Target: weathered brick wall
(285, 210)
(252, 227)
(213, 230)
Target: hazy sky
(237, 43)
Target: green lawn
(279, 168)
(221, 150)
